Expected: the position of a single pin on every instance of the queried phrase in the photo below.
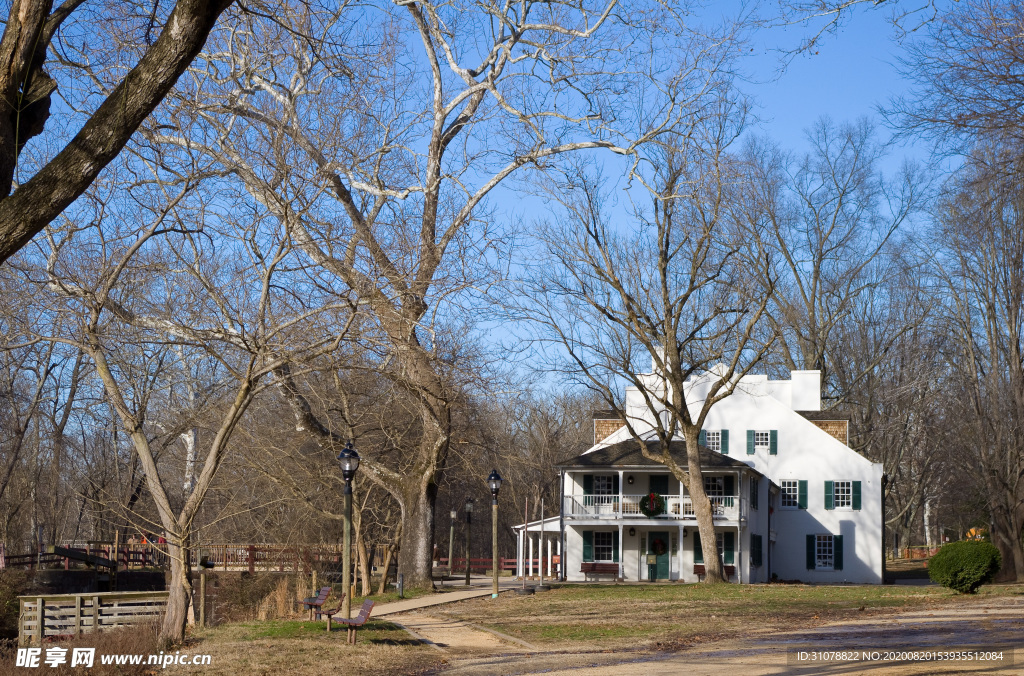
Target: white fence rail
(628, 506)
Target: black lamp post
(494, 483)
(349, 461)
(469, 521)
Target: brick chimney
(606, 423)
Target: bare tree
(674, 286)
(966, 76)
(830, 222)
(379, 154)
(981, 266)
(26, 88)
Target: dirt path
(880, 646)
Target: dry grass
(671, 616)
(139, 640)
(302, 647)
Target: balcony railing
(628, 506)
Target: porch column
(561, 559)
(529, 566)
(681, 549)
(621, 557)
(739, 558)
(519, 555)
(548, 560)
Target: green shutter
(856, 495)
(810, 552)
(588, 484)
(730, 485)
(729, 547)
(725, 442)
(698, 551)
(588, 545)
(750, 442)
(773, 442)
(829, 495)
(801, 494)
(754, 488)
(615, 484)
(755, 550)
(837, 552)
(615, 547)
(702, 438)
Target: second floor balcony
(626, 506)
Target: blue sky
(847, 76)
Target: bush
(965, 566)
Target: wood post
(78, 616)
(202, 599)
(40, 620)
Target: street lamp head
(454, 513)
(494, 481)
(349, 461)
(469, 505)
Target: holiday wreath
(659, 547)
(652, 505)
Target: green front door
(659, 571)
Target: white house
(791, 498)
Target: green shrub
(964, 566)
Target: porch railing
(626, 506)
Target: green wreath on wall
(651, 505)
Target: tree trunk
(179, 594)
(703, 511)
(389, 554)
(1006, 536)
(416, 544)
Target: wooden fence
(476, 565)
(67, 615)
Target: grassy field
(301, 647)
(672, 616)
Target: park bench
(441, 573)
(589, 568)
(354, 623)
(698, 569)
(315, 603)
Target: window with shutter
(729, 542)
(588, 545)
(802, 494)
(750, 442)
(773, 443)
(725, 442)
(856, 495)
(829, 492)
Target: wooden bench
(441, 572)
(594, 568)
(332, 611)
(315, 603)
(354, 623)
(698, 569)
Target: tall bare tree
(674, 286)
(980, 227)
(378, 143)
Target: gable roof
(627, 454)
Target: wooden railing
(476, 565)
(41, 617)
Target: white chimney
(806, 390)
